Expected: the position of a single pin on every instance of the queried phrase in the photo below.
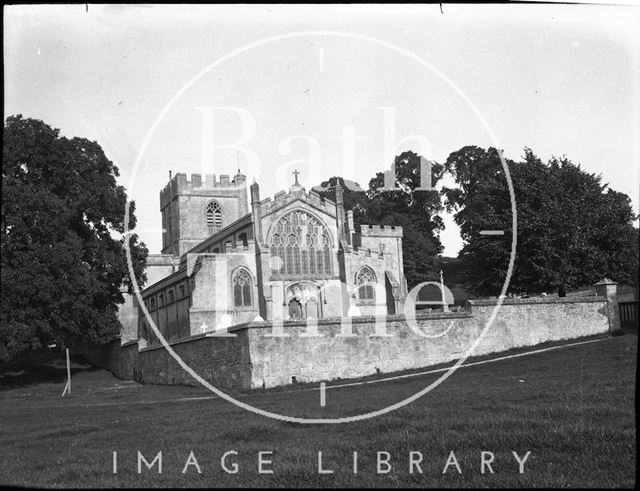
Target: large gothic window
(242, 288)
(366, 280)
(214, 216)
(303, 245)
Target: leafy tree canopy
(572, 230)
(355, 198)
(415, 210)
(62, 240)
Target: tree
(63, 264)
(482, 203)
(415, 210)
(354, 197)
(570, 231)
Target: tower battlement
(180, 184)
(381, 231)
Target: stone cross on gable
(295, 173)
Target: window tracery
(303, 245)
(366, 279)
(242, 285)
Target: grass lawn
(572, 408)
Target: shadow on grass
(49, 371)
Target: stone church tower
(194, 210)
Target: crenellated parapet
(381, 231)
(180, 184)
(283, 198)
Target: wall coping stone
(189, 339)
(361, 319)
(370, 319)
(536, 300)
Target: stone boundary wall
(256, 359)
(118, 358)
(222, 361)
(277, 360)
(448, 337)
(528, 322)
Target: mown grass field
(573, 408)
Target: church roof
(240, 223)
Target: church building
(229, 258)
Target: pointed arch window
(242, 286)
(300, 246)
(214, 216)
(366, 279)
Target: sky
(327, 90)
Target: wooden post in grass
(67, 388)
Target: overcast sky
(560, 79)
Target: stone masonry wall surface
(329, 356)
(222, 361)
(309, 359)
(253, 359)
(118, 359)
(535, 321)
